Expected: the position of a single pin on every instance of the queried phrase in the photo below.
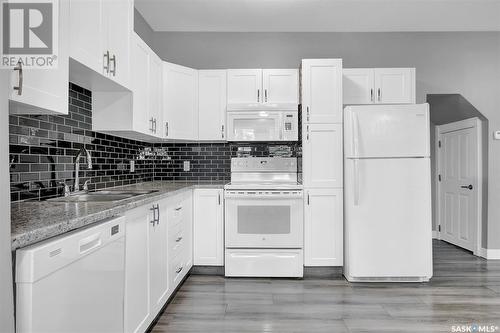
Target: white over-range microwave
(262, 125)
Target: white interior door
(458, 188)
(395, 85)
(244, 86)
(280, 86)
(358, 86)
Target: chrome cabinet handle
(307, 132)
(371, 95)
(154, 125)
(158, 215)
(258, 95)
(166, 128)
(222, 131)
(178, 270)
(178, 239)
(379, 94)
(19, 87)
(307, 113)
(113, 60)
(218, 198)
(178, 208)
(106, 61)
(154, 215)
(470, 187)
(308, 199)
(265, 94)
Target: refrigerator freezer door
(388, 219)
(386, 131)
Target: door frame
(451, 127)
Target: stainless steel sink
(102, 196)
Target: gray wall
(6, 297)
(142, 28)
(466, 63)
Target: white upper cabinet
(358, 86)
(322, 91)
(100, 36)
(323, 227)
(322, 155)
(155, 97)
(212, 104)
(244, 86)
(395, 85)
(281, 86)
(263, 86)
(379, 86)
(180, 91)
(37, 91)
(208, 249)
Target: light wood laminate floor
(464, 290)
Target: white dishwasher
(74, 282)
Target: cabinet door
(244, 86)
(187, 225)
(155, 97)
(358, 86)
(208, 227)
(322, 155)
(158, 249)
(45, 89)
(180, 90)
(137, 304)
(142, 119)
(87, 33)
(212, 104)
(322, 90)
(118, 25)
(281, 86)
(395, 85)
(323, 231)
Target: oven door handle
(260, 197)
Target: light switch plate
(496, 135)
(132, 166)
(187, 166)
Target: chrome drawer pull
(178, 270)
(177, 240)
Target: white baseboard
(490, 254)
(435, 234)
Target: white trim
(490, 254)
(455, 126)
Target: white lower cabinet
(208, 227)
(323, 227)
(137, 304)
(158, 257)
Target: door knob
(470, 187)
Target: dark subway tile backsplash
(43, 149)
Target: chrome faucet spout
(83, 151)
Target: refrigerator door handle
(356, 181)
(355, 134)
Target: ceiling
(321, 15)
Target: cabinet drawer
(176, 240)
(175, 212)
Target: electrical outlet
(132, 166)
(496, 135)
(187, 166)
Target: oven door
(264, 219)
(254, 126)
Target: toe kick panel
(264, 263)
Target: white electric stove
(264, 218)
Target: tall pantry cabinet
(322, 161)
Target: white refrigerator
(387, 193)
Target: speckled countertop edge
(36, 221)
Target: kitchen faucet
(76, 188)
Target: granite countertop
(35, 221)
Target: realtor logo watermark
(29, 33)
(474, 328)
